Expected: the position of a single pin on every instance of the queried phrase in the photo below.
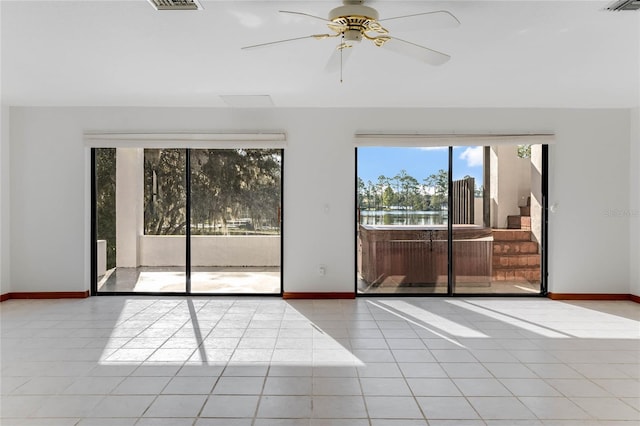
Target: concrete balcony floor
(395, 285)
(258, 280)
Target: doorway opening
(187, 221)
(451, 220)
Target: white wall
(210, 250)
(129, 205)
(4, 190)
(634, 203)
(535, 178)
(587, 241)
(47, 202)
(589, 252)
(634, 194)
(5, 228)
(510, 183)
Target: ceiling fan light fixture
(353, 35)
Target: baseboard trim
(309, 295)
(46, 295)
(593, 296)
(301, 295)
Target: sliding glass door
(187, 221)
(235, 221)
(472, 235)
(450, 220)
(403, 220)
(161, 255)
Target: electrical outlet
(322, 270)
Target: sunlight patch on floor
(525, 325)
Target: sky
(419, 162)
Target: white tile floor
(144, 361)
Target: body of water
(402, 217)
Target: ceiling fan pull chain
(341, 53)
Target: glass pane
(105, 172)
(472, 235)
(162, 250)
(502, 255)
(235, 220)
(141, 219)
(402, 220)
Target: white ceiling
(505, 54)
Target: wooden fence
(463, 201)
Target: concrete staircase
(515, 256)
(521, 221)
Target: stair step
(515, 256)
(511, 235)
(515, 247)
(516, 261)
(519, 222)
(521, 274)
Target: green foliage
(164, 192)
(388, 197)
(524, 151)
(440, 183)
(232, 191)
(401, 191)
(105, 169)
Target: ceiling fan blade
(338, 59)
(270, 43)
(416, 51)
(305, 14)
(439, 19)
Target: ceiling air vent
(625, 5)
(176, 4)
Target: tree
(409, 195)
(372, 196)
(524, 151)
(259, 197)
(362, 193)
(439, 184)
(165, 192)
(232, 191)
(105, 169)
(381, 186)
(388, 197)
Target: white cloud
(434, 148)
(473, 155)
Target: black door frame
(544, 252)
(187, 292)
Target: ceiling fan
(352, 22)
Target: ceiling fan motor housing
(355, 17)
